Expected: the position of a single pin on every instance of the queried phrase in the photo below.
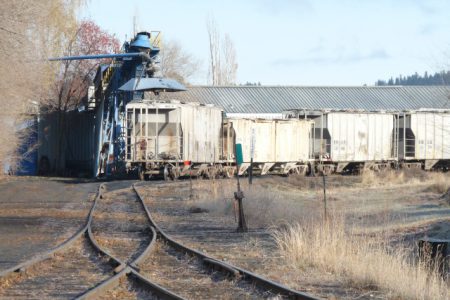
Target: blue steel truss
(125, 79)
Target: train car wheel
(166, 173)
(141, 173)
(229, 173)
(175, 174)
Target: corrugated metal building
(275, 99)
(81, 131)
(74, 140)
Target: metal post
(156, 133)
(147, 144)
(228, 140)
(404, 136)
(321, 138)
(191, 193)
(238, 196)
(325, 215)
(250, 172)
(426, 140)
(252, 151)
(178, 138)
(134, 134)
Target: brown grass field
(368, 240)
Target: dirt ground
(36, 214)
(403, 207)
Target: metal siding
(80, 143)
(292, 140)
(98, 137)
(78, 140)
(275, 99)
(46, 135)
(200, 126)
(276, 140)
(432, 134)
(360, 136)
(264, 143)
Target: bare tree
(214, 50)
(230, 65)
(74, 77)
(176, 63)
(28, 32)
(222, 59)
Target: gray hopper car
(278, 146)
(424, 139)
(351, 141)
(173, 139)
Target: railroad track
(122, 253)
(244, 284)
(81, 267)
(56, 273)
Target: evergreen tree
(438, 78)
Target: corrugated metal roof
(275, 99)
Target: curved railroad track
(251, 285)
(80, 268)
(121, 252)
(55, 273)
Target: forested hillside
(438, 78)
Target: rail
(226, 267)
(131, 269)
(48, 254)
(123, 269)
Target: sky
(297, 42)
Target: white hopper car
(172, 139)
(424, 139)
(279, 146)
(345, 141)
(350, 141)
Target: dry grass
(441, 183)
(436, 182)
(366, 262)
(378, 210)
(44, 212)
(378, 197)
(262, 204)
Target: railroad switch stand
(238, 196)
